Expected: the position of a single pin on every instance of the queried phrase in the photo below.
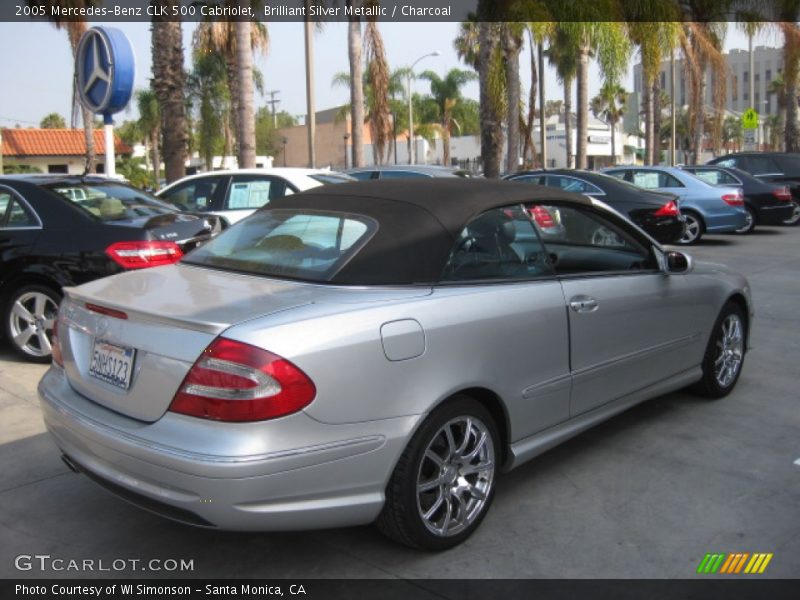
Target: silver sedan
(379, 352)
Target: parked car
(235, 194)
(405, 172)
(655, 212)
(782, 168)
(765, 203)
(707, 208)
(60, 230)
(378, 351)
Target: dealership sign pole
(104, 71)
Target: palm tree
(609, 105)
(789, 14)
(563, 57)
(169, 84)
(207, 86)
(778, 87)
(538, 32)
(379, 76)
(774, 125)
(732, 134)
(245, 95)
(354, 46)
(447, 94)
(512, 46)
(150, 126)
(75, 30)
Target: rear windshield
(331, 177)
(112, 201)
(295, 244)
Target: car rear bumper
(774, 215)
(299, 478)
(725, 222)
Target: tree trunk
(613, 143)
(354, 43)
(529, 146)
(583, 107)
(88, 135)
(511, 50)
(75, 32)
(232, 117)
(491, 131)
(656, 121)
(647, 93)
(156, 158)
(791, 68)
(700, 113)
(568, 121)
(169, 83)
(244, 75)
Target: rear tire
(29, 315)
(443, 484)
(795, 218)
(724, 357)
(694, 229)
(751, 222)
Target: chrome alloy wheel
(692, 231)
(455, 476)
(793, 220)
(32, 317)
(730, 350)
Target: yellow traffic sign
(750, 119)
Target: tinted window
(286, 243)
(585, 241)
(13, 214)
(112, 202)
(789, 164)
(714, 177)
(193, 196)
(250, 192)
(402, 175)
(570, 184)
(499, 244)
(651, 180)
(537, 179)
(761, 165)
(728, 162)
(362, 175)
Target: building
(54, 150)
(767, 62)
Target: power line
(18, 121)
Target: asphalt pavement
(645, 495)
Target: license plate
(112, 364)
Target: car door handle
(583, 304)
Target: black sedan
(766, 203)
(782, 168)
(655, 212)
(58, 231)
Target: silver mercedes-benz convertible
(379, 351)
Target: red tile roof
(55, 142)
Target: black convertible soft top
(418, 221)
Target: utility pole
(542, 118)
(1, 151)
(272, 101)
(672, 108)
(311, 124)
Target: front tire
(694, 229)
(29, 316)
(724, 357)
(443, 484)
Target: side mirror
(677, 262)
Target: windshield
(296, 244)
(112, 201)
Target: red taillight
(109, 312)
(670, 209)
(140, 255)
(233, 381)
(733, 199)
(542, 216)
(782, 194)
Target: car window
(13, 215)
(537, 179)
(585, 241)
(499, 244)
(250, 192)
(362, 175)
(617, 174)
(728, 162)
(109, 201)
(402, 175)
(652, 180)
(193, 196)
(761, 165)
(714, 177)
(298, 244)
(331, 177)
(570, 184)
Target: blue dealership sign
(104, 69)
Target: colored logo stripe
(734, 563)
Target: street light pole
(410, 109)
(346, 137)
(285, 140)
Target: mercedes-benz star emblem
(98, 73)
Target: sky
(36, 65)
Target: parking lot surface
(644, 495)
